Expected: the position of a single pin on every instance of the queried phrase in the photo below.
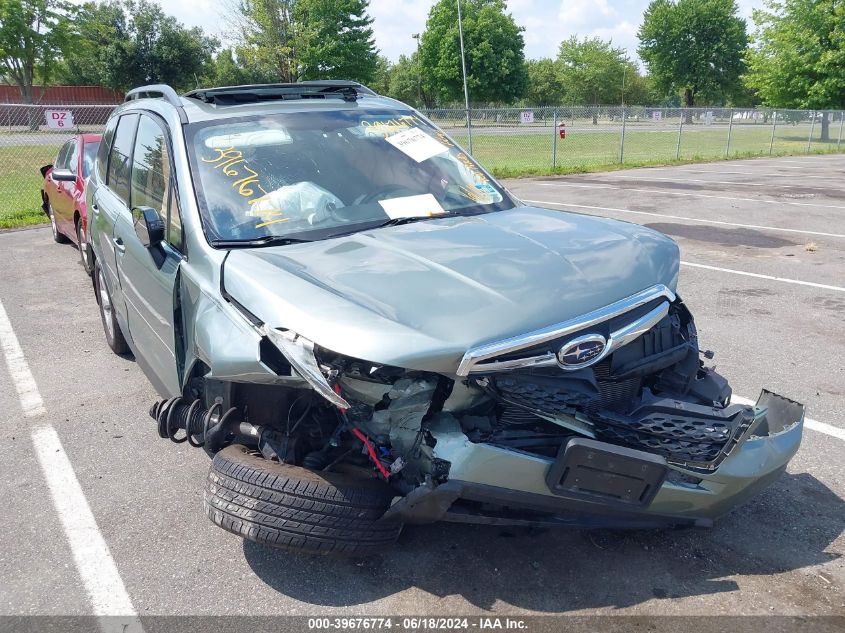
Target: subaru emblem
(582, 351)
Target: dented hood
(419, 295)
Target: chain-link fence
(508, 141)
(519, 140)
(31, 136)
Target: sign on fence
(657, 115)
(526, 116)
(59, 119)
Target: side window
(105, 146)
(73, 158)
(152, 183)
(61, 159)
(120, 156)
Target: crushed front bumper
(490, 484)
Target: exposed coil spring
(174, 415)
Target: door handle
(95, 208)
(118, 244)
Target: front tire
(285, 506)
(114, 336)
(58, 237)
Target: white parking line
(759, 276)
(809, 423)
(687, 219)
(739, 183)
(90, 552)
(28, 394)
(691, 195)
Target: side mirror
(63, 175)
(149, 226)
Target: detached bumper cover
(489, 484)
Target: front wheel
(114, 337)
(286, 506)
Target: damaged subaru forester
(364, 329)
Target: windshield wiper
(269, 240)
(419, 218)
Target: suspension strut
(204, 428)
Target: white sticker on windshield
(416, 144)
(422, 206)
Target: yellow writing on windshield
(233, 164)
(480, 178)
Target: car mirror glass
(149, 227)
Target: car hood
(419, 295)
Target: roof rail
(158, 91)
(251, 93)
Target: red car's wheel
(58, 237)
(84, 251)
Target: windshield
(89, 155)
(317, 174)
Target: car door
(57, 190)
(69, 191)
(110, 209)
(148, 275)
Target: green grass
(505, 156)
(531, 154)
(20, 184)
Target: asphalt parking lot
(763, 250)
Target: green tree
(546, 85)
(267, 37)
(97, 30)
(798, 60)
(593, 71)
(694, 47)
(231, 68)
(126, 44)
(380, 81)
(406, 83)
(335, 40)
(33, 33)
(307, 39)
(494, 46)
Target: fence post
(730, 132)
(622, 141)
(554, 138)
(812, 129)
(680, 131)
(774, 125)
(469, 130)
(841, 118)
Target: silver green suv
(364, 329)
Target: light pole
(464, 69)
(416, 36)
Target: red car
(63, 192)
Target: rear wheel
(57, 236)
(84, 251)
(286, 506)
(114, 337)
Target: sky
(546, 22)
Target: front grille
(682, 438)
